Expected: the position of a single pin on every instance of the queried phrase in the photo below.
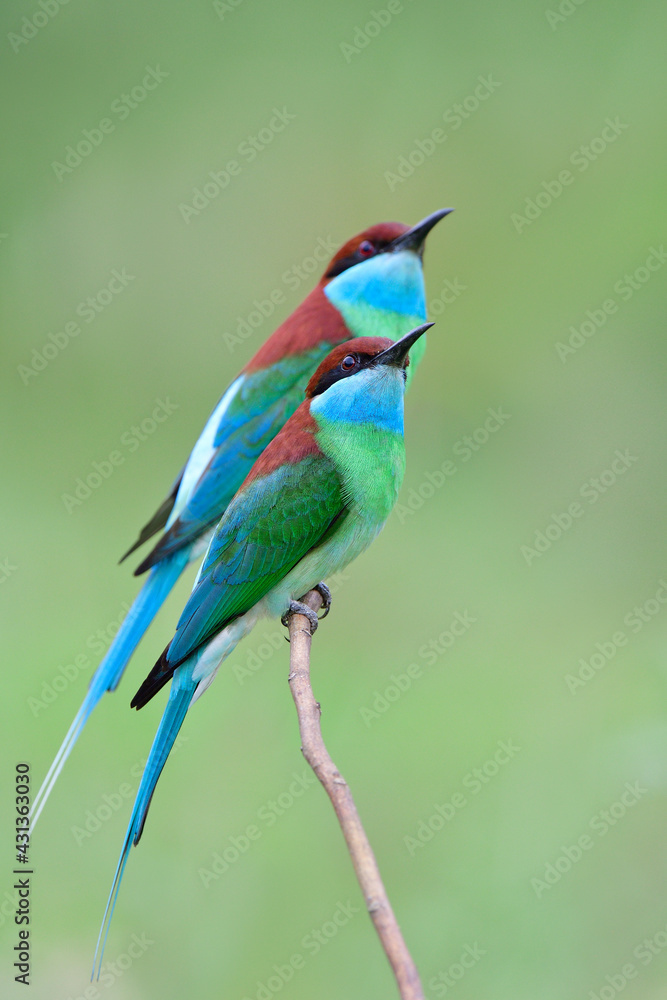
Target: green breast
(365, 320)
(371, 462)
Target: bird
(373, 285)
(312, 502)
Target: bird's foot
(325, 594)
(297, 608)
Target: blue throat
(388, 282)
(373, 397)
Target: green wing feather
(266, 530)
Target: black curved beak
(398, 352)
(414, 238)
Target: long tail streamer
(182, 690)
(148, 602)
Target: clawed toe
(297, 608)
(325, 594)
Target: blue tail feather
(180, 696)
(146, 605)
(107, 676)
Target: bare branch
(363, 859)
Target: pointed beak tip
(414, 334)
(398, 352)
(415, 237)
(426, 225)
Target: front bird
(313, 501)
(374, 286)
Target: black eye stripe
(339, 372)
(355, 258)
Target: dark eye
(366, 249)
(348, 363)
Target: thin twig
(363, 859)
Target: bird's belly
(372, 472)
(354, 536)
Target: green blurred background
(553, 80)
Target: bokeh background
(497, 877)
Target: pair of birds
(297, 488)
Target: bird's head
(381, 269)
(363, 380)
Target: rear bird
(314, 500)
(374, 285)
